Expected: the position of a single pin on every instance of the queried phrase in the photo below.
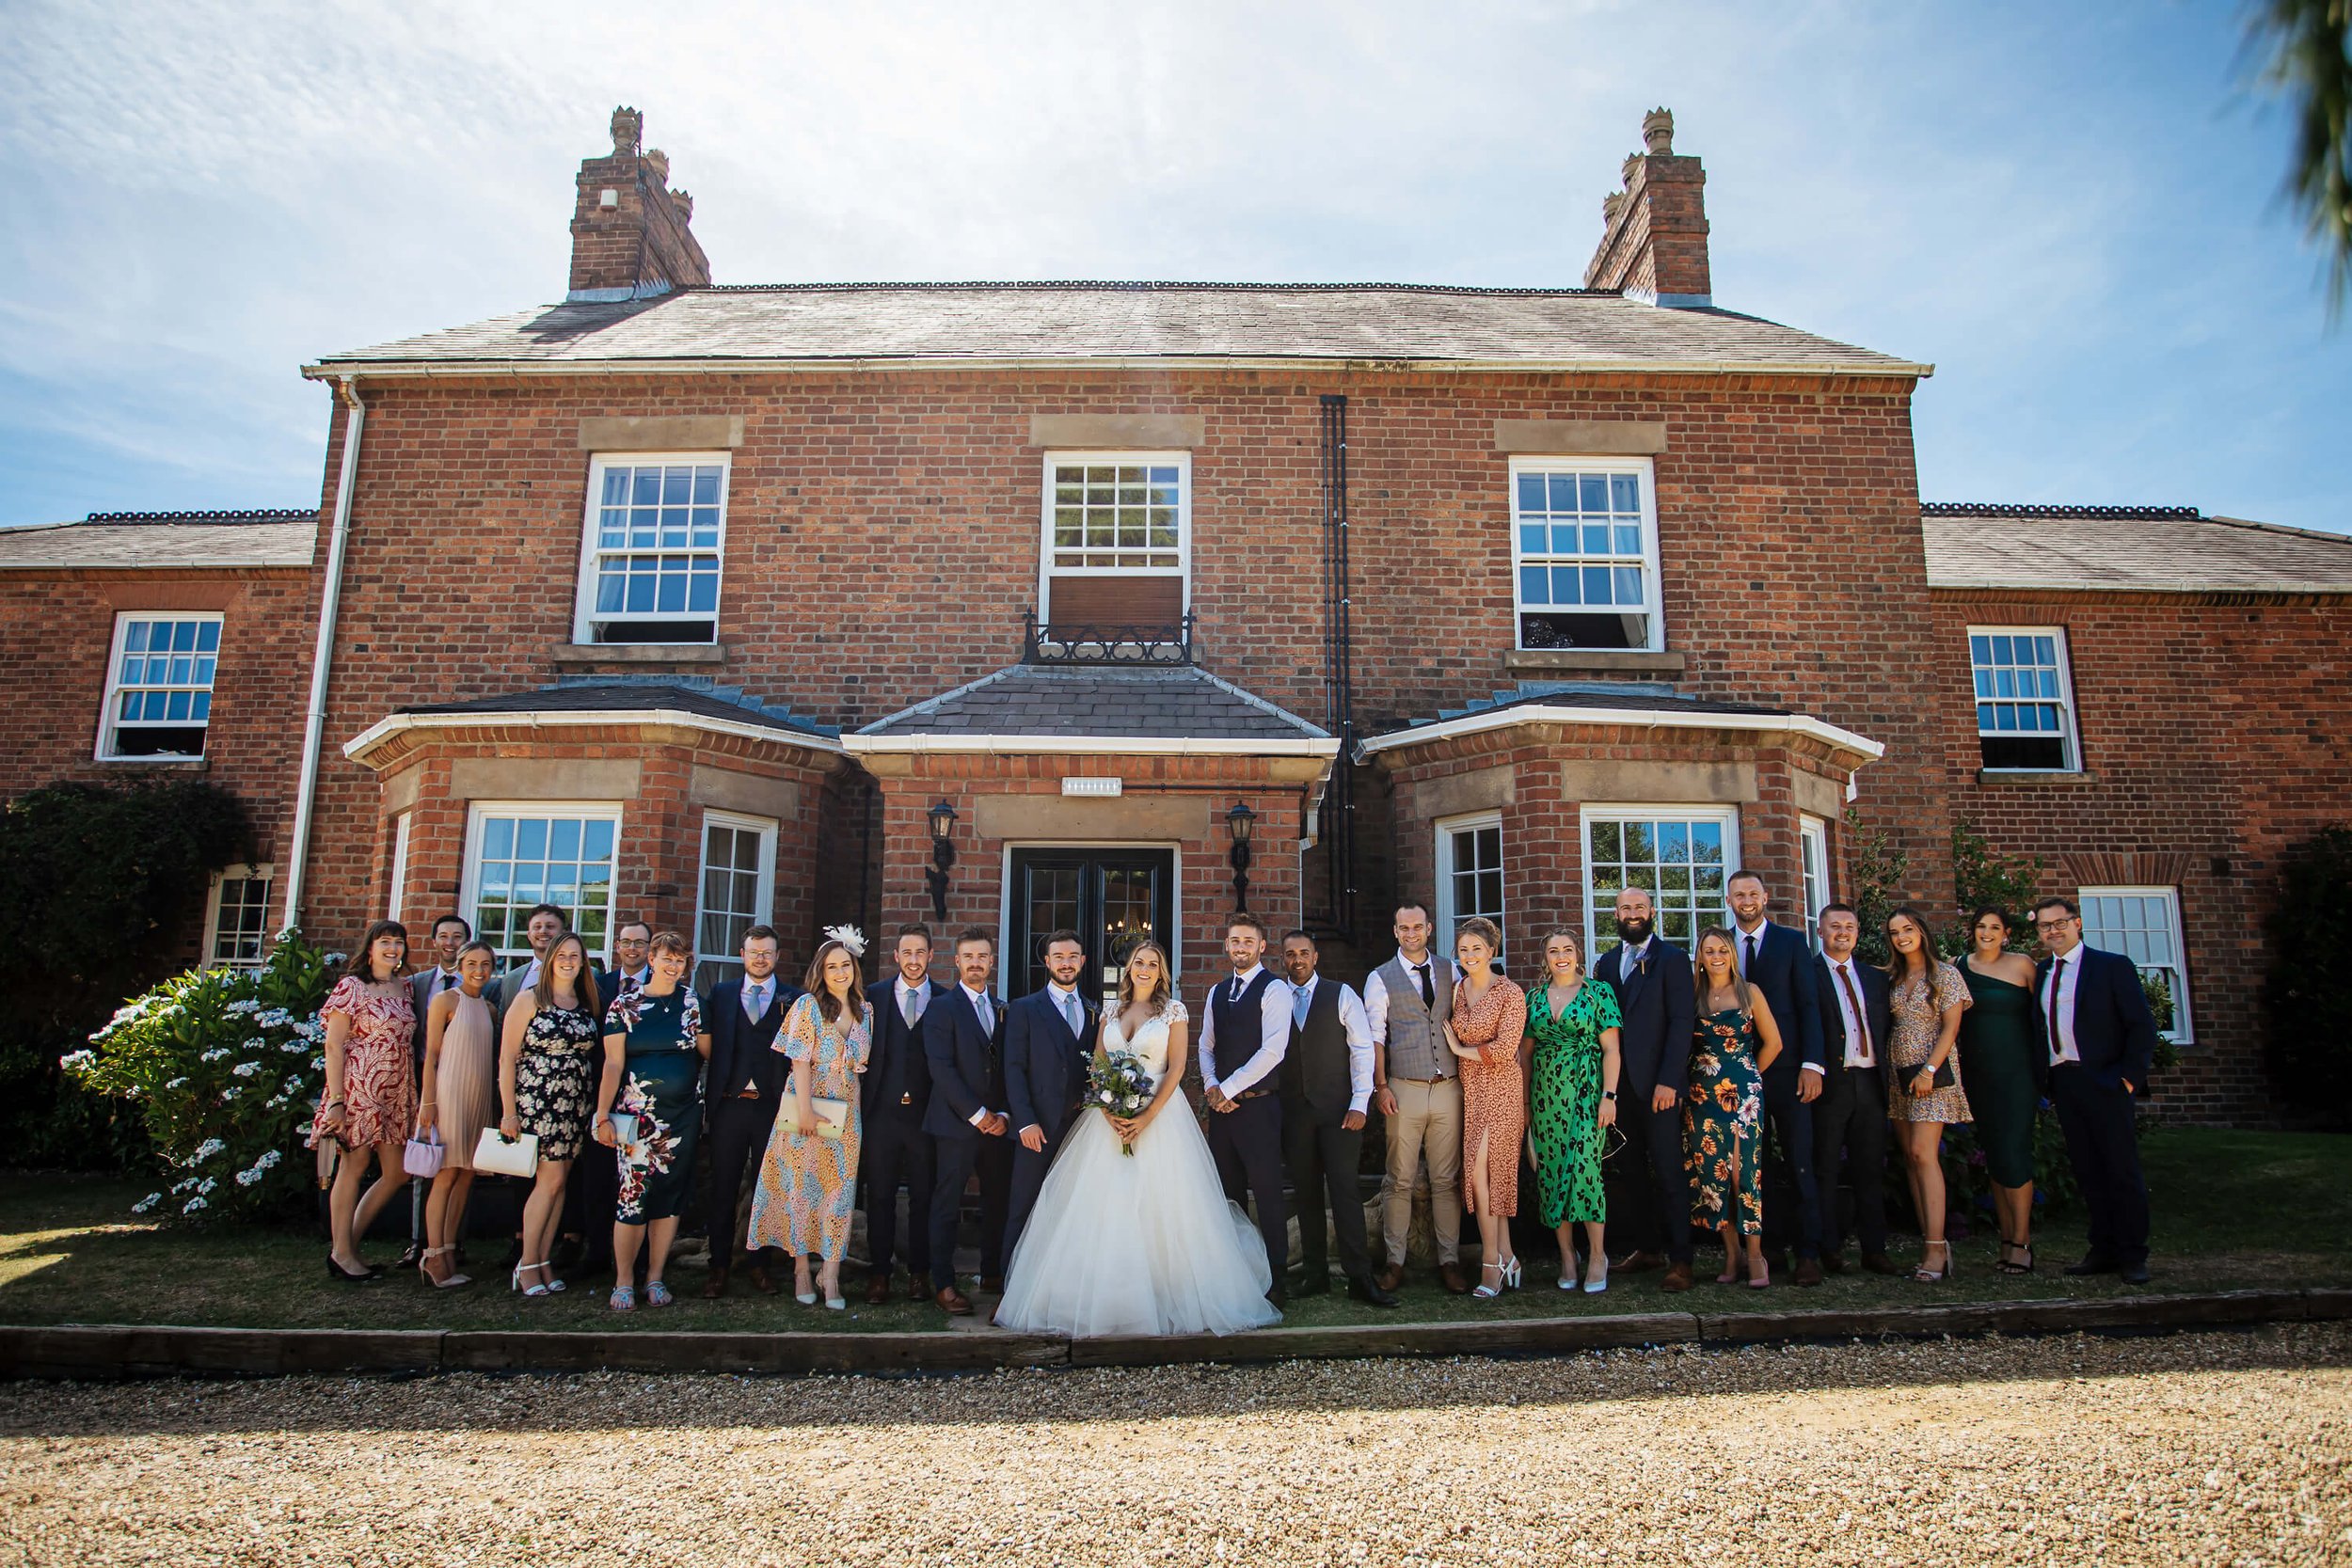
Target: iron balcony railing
(1065, 642)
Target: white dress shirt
(2067, 974)
(755, 997)
(1274, 1034)
(1860, 1047)
(1376, 992)
(1359, 1030)
(1740, 935)
(985, 1005)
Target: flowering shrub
(224, 1067)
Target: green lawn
(2233, 1210)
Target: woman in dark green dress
(1573, 1023)
(2000, 1054)
(654, 1039)
(1735, 1040)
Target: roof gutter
(1084, 745)
(323, 655)
(534, 718)
(1538, 713)
(446, 368)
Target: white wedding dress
(1146, 1244)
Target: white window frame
(2069, 734)
(1448, 917)
(710, 967)
(1814, 869)
(2184, 1026)
(1652, 609)
(266, 874)
(104, 751)
(1727, 816)
(584, 616)
(478, 814)
(1047, 570)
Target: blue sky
(2072, 211)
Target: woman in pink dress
(371, 1098)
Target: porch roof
(1158, 708)
(718, 710)
(1631, 707)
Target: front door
(1113, 899)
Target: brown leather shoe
(1808, 1271)
(760, 1281)
(1389, 1278)
(1454, 1279)
(716, 1286)
(877, 1289)
(953, 1300)
(1639, 1262)
(1878, 1262)
(1678, 1277)
(1833, 1261)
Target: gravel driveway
(2195, 1449)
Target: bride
(1146, 1244)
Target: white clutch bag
(833, 1116)
(500, 1156)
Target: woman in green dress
(653, 1036)
(1999, 1057)
(1735, 1040)
(1573, 1025)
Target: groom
(1049, 1041)
(1243, 1042)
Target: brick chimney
(1653, 242)
(629, 234)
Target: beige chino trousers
(1428, 1119)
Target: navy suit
(1849, 1118)
(967, 1074)
(1659, 1014)
(742, 1055)
(2114, 1035)
(894, 1094)
(1783, 970)
(1046, 1078)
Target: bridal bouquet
(1119, 1085)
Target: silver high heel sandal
(452, 1281)
(534, 1288)
(1512, 1274)
(1486, 1291)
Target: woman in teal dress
(1735, 1040)
(654, 1048)
(1573, 1023)
(808, 1182)
(2000, 1060)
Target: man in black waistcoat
(1849, 1118)
(1049, 1039)
(896, 1092)
(744, 1085)
(1326, 1085)
(1652, 979)
(1250, 1017)
(963, 1036)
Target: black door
(1113, 899)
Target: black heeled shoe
(336, 1270)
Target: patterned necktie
(1862, 1020)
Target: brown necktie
(1844, 979)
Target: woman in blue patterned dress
(808, 1182)
(653, 1036)
(1736, 1040)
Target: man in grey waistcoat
(1419, 1090)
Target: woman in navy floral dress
(654, 1050)
(1736, 1040)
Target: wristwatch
(1609, 1094)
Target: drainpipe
(315, 729)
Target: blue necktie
(1298, 1007)
(1073, 1014)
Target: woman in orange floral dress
(1735, 1040)
(1488, 1027)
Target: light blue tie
(1073, 1014)
(1298, 1007)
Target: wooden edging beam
(118, 1352)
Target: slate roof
(1624, 696)
(150, 541)
(1156, 702)
(2124, 549)
(985, 323)
(627, 696)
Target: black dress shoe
(1280, 1297)
(410, 1259)
(2093, 1263)
(1313, 1284)
(1372, 1294)
(2134, 1273)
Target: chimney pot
(628, 126)
(1658, 132)
(1610, 205)
(660, 162)
(685, 205)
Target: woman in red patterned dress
(371, 1097)
(1486, 1030)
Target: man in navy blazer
(1652, 979)
(1849, 1118)
(1049, 1039)
(895, 1094)
(964, 1036)
(1778, 961)
(2102, 1043)
(741, 1090)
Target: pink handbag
(423, 1157)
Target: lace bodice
(1151, 1043)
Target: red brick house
(1027, 604)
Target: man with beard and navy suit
(1049, 1040)
(1778, 961)
(963, 1038)
(742, 1088)
(896, 1093)
(1652, 979)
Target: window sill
(2012, 778)
(1592, 660)
(640, 652)
(158, 765)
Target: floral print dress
(552, 1094)
(808, 1186)
(1917, 1007)
(1721, 1139)
(378, 1090)
(662, 1074)
(1566, 1097)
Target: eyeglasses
(2058, 925)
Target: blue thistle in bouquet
(1117, 1083)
